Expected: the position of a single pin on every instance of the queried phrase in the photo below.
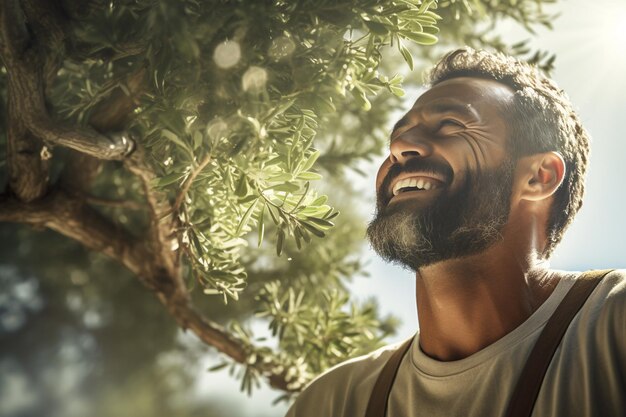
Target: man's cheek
(382, 173)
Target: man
(485, 172)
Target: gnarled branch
(61, 212)
(73, 218)
(28, 173)
(162, 222)
(115, 146)
(111, 114)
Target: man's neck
(464, 305)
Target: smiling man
(485, 173)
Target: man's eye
(450, 124)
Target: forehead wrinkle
(438, 107)
(447, 106)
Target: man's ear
(541, 175)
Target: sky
(589, 40)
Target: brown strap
(525, 395)
(377, 405)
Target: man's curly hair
(541, 119)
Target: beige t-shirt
(587, 376)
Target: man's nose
(407, 146)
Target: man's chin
(393, 235)
(402, 238)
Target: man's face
(445, 190)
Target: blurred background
(79, 336)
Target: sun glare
(620, 31)
(614, 28)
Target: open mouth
(417, 183)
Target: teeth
(422, 184)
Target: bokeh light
(216, 129)
(254, 79)
(281, 48)
(227, 54)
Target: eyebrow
(438, 108)
(402, 122)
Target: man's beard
(452, 226)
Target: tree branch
(187, 184)
(125, 204)
(28, 173)
(14, 38)
(81, 51)
(162, 223)
(70, 217)
(112, 113)
(115, 146)
(48, 24)
(28, 121)
(115, 111)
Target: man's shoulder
(616, 281)
(608, 295)
(357, 369)
(344, 389)
(611, 293)
(613, 284)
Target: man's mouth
(415, 183)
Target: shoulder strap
(377, 405)
(525, 394)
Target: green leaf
(320, 222)
(314, 211)
(319, 201)
(197, 139)
(168, 134)
(432, 14)
(246, 217)
(273, 215)
(396, 91)
(317, 232)
(218, 367)
(406, 54)
(168, 179)
(309, 176)
(311, 160)
(420, 38)
(288, 187)
(361, 98)
(298, 235)
(284, 176)
(280, 240)
(281, 108)
(247, 199)
(196, 242)
(261, 226)
(426, 5)
(172, 137)
(242, 189)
